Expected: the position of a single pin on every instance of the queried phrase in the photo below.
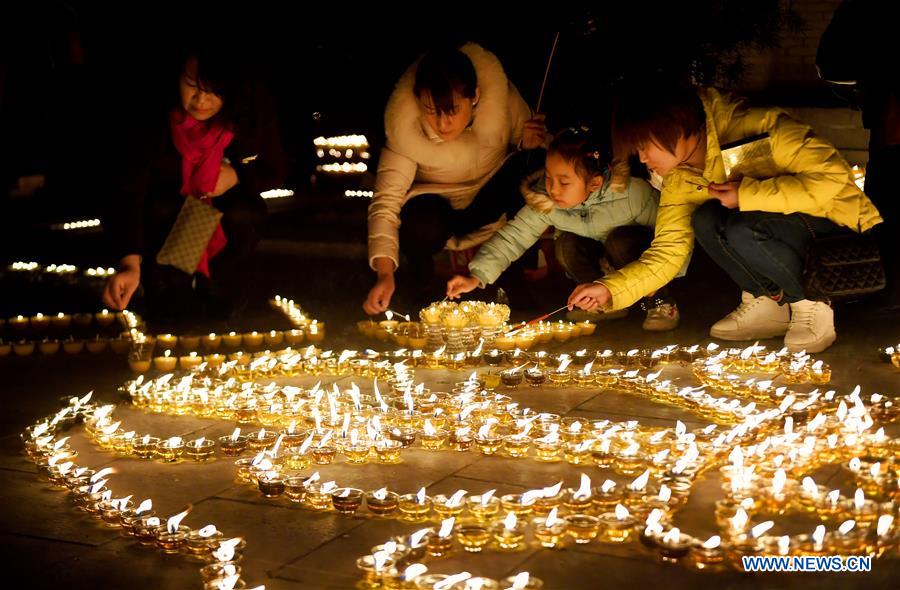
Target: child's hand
(589, 296)
(534, 133)
(727, 193)
(460, 284)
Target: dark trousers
(585, 260)
(168, 291)
(764, 253)
(428, 221)
(883, 187)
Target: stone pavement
(49, 544)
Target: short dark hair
(659, 111)
(224, 72)
(577, 146)
(443, 71)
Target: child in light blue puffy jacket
(603, 220)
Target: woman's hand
(534, 134)
(460, 284)
(122, 285)
(727, 193)
(227, 180)
(589, 296)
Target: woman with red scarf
(219, 143)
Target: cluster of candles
(91, 493)
(55, 325)
(196, 351)
(767, 457)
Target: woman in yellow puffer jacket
(758, 227)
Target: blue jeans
(764, 253)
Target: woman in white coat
(449, 173)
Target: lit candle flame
(173, 523)
(552, 518)
(414, 571)
(446, 528)
(621, 512)
(208, 531)
(420, 496)
(415, 539)
(584, 490)
(859, 499)
(761, 529)
(884, 524)
(509, 523)
(672, 537)
(101, 474)
(456, 499)
(380, 494)
(607, 486)
(641, 481)
(144, 506)
(552, 491)
(819, 536)
(520, 582)
(486, 497)
(846, 526)
(712, 542)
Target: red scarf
(202, 146)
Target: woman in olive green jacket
(757, 223)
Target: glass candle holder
(483, 511)
(549, 536)
(488, 444)
(509, 538)
(169, 450)
(201, 546)
(412, 509)
(388, 451)
(145, 530)
(707, 559)
(473, 536)
(671, 549)
(262, 440)
(297, 461)
(130, 520)
(544, 504)
(614, 529)
(433, 441)
(385, 506)
(444, 509)
(323, 455)
(295, 488)
(517, 504)
(271, 484)
(145, 448)
(511, 377)
(172, 542)
(516, 446)
(559, 378)
(461, 439)
(317, 497)
(576, 453)
(347, 500)
(438, 546)
(372, 574)
(200, 450)
(357, 454)
(583, 528)
(548, 451)
(535, 377)
(406, 436)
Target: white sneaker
(811, 328)
(754, 319)
(662, 318)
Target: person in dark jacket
(219, 142)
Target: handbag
(189, 236)
(844, 266)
